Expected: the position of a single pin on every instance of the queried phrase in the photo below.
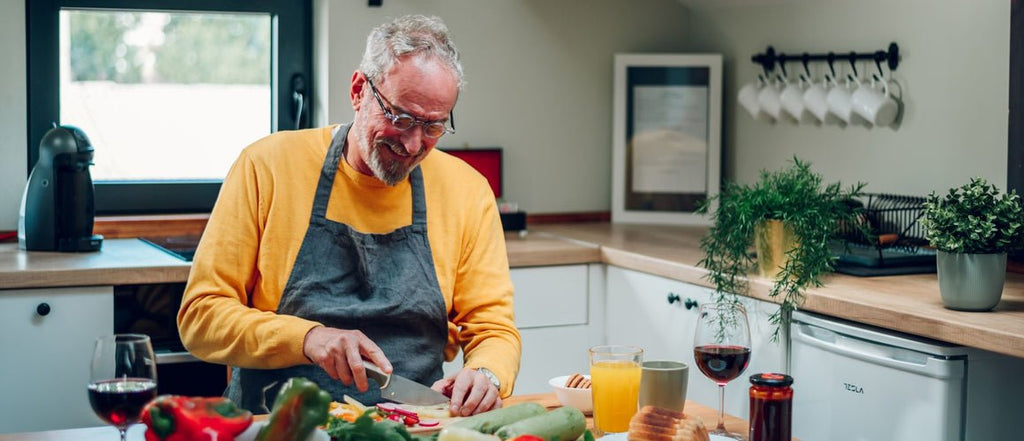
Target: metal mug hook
(879, 57)
(853, 63)
(831, 58)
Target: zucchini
(561, 424)
(490, 421)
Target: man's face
(419, 87)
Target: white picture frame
(667, 137)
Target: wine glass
(122, 378)
(721, 348)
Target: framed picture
(667, 135)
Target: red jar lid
(771, 379)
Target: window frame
(291, 55)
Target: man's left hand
(471, 392)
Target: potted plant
(790, 217)
(972, 228)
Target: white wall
(539, 82)
(954, 69)
(13, 120)
(540, 78)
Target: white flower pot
(971, 282)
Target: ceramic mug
(838, 99)
(792, 98)
(874, 103)
(663, 384)
(815, 101)
(747, 96)
(769, 100)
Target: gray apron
(384, 285)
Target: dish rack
(896, 244)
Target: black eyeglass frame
(414, 121)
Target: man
(334, 247)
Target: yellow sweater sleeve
(215, 320)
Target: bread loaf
(659, 424)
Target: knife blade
(399, 389)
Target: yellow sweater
(254, 233)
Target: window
(169, 91)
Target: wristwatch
(490, 376)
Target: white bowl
(581, 399)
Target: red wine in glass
(122, 379)
(721, 363)
(119, 402)
(721, 350)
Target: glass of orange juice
(615, 380)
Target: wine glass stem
(721, 409)
(124, 433)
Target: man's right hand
(340, 352)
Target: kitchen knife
(399, 389)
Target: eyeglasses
(431, 129)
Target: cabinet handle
(672, 298)
(690, 304)
(43, 309)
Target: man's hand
(471, 392)
(340, 352)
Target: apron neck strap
(330, 170)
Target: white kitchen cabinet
(46, 344)
(559, 314)
(660, 315)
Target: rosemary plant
(794, 195)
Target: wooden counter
(909, 304)
(107, 433)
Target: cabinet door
(559, 311)
(639, 313)
(46, 355)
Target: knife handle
(374, 372)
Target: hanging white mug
(747, 96)
(815, 101)
(874, 103)
(769, 101)
(792, 98)
(838, 99)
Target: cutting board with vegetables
(416, 419)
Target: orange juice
(616, 385)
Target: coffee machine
(58, 207)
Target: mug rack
(769, 58)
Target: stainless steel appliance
(855, 382)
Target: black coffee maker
(58, 207)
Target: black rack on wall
(769, 58)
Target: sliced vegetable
(299, 408)
(491, 421)
(180, 418)
(561, 424)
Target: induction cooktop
(182, 247)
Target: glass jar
(771, 407)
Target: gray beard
(391, 173)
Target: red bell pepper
(180, 418)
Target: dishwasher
(855, 382)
